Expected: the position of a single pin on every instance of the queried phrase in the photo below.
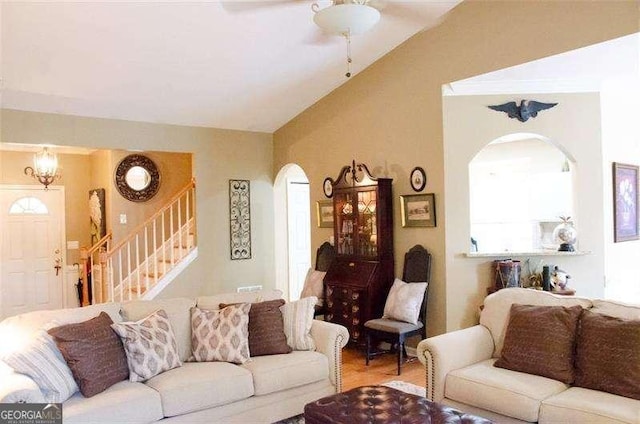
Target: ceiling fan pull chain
(347, 36)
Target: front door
(31, 237)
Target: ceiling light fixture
(346, 18)
(45, 167)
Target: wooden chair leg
(368, 342)
(400, 349)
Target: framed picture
(324, 209)
(327, 187)
(418, 210)
(97, 215)
(625, 202)
(418, 179)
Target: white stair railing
(139, 261)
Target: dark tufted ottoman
(380, 404)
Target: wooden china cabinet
(358, 280)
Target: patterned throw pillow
(42, 361)
(314, 285)
(221, 335)
(404, 301)
(298, 317)
(150, 345)
(93, 352)
(266, 328)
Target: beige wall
(574, 126)
(218, 155)
(390, 115)
(74, 169)
(175, 174)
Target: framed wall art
(625, 202)
(240, 219)
(418, 179)
(418, 210)
(97, 215)
(324, 210)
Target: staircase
(142, 264)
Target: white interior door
(31, 237)
(299, 228)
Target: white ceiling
(237, 65)
(582, 70)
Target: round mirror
(137, 178)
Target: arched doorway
(292, 229)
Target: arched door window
(28, 206)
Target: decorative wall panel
(240, 216)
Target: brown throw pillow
(266, 328)
(540, 341)
(93, 352)
(608, 354)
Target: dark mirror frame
(121, 182)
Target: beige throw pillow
(404, 301)
(298, 317)
(150, 345)
(221, 335)
(314, 285)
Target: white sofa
(263, 390)
(460, 370)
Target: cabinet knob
(352, 264)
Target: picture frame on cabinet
(324, 211)
(625, 202)
(418, 210)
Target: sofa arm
(19, 388)
(330, 339)
(451, 351)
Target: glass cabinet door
(367, 235)
(345, 223)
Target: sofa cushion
(280, 372)
(266, 328)
(124, 402)
(150, 345)
(496, 307)
(21, 328)
(298, 317)
(578, 405)
(178, 311)
(201, 385)
(608, 354)
(506, 392)
(314, 285)
(221, 335)
(93, 352)
(545, 350)
(616, 309)
(212, 303)
(42, 361)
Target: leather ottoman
(380, 404)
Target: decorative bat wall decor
(527, 109)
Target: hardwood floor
(381, 369)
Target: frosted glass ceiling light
(346, 18)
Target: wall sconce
(45, 167)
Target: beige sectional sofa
(460, 370)
(263, 390)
